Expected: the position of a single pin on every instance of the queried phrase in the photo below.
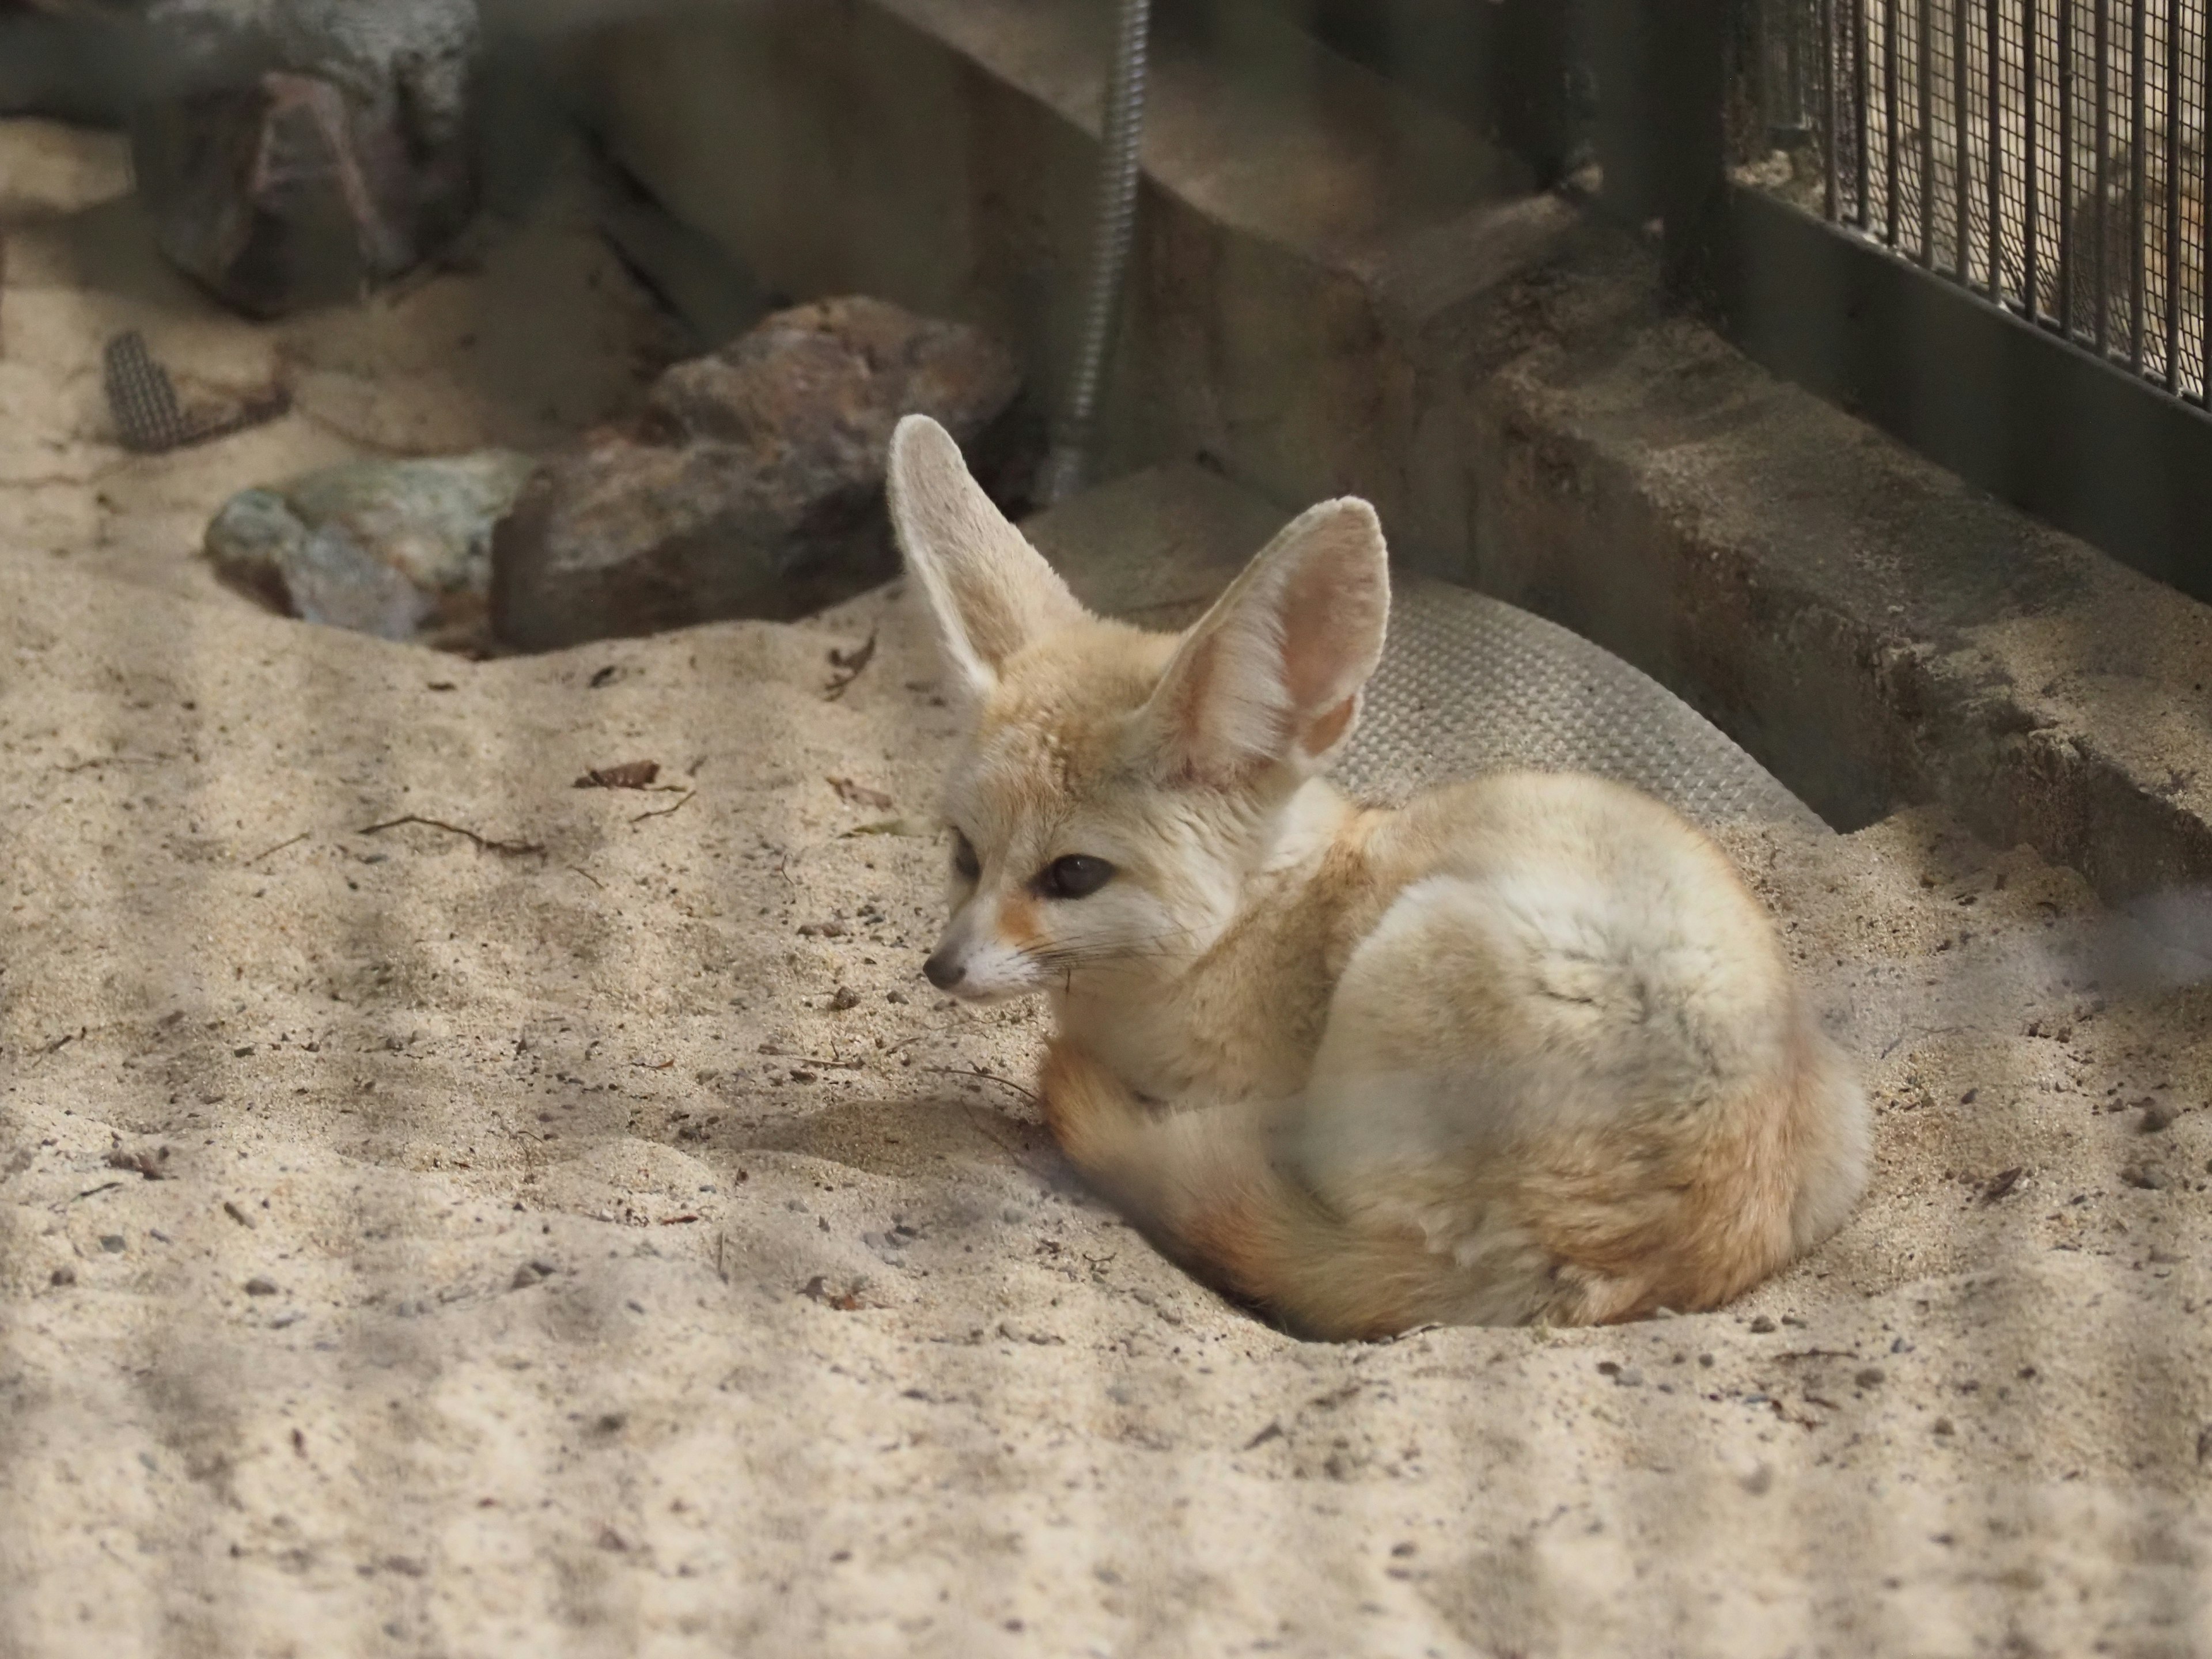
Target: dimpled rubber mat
(1468, 683)
(1471, 684)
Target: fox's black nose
(942, 971)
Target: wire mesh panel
(2049, 155)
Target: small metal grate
(141, 398)
(149, 420)
(2049, 155)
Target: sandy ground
(595, 1239)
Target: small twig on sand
(1003, 1132)
(988, 1077)
(663, 811)
(268, 851)
(511, 848)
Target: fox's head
(1116, 790)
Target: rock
(754, 485)
(297, 151)
(49, 170)
(398, 548)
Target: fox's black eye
(964, 859)
(1077, 876)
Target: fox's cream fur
(1526, 1048)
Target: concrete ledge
(1872, 629)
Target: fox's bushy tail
(1207, 1185)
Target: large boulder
(754, 486)
(293, 152)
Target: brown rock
(754, 485)
(292, 153)
(289, 192)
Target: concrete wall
(943, 154)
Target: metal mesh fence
(2049, 155)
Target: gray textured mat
(1468, 683)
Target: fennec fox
(1524, 1049)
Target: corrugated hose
(1121, 148)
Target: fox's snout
(976, 960)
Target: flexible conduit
(1120, 145)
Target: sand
(588, 1235)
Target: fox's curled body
(1526, 1048)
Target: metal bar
(2067, 252)
(2138, 185)
(1994, 11)
(1924, 20)
(2173, 195)
(2101, 200)
(1861, 100)
(2031, 157)
(2203, 217)
(1689, 60)
(1890, 213)
(1795, 68)
(1828, 106)
(1959, 148)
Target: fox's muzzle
(972, 962)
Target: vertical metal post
(1993, 12)
(1690, 58)
(1925, 32)
(2173, 195)
(1831, 206)
(1862, 107)
(2204, 217)
(2101, 200)
(1960, 148)
(2067, 252)
(1890, 212)
(2138, 183)
(2031, 157)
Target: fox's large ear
(1272, 672)
(988, 590)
